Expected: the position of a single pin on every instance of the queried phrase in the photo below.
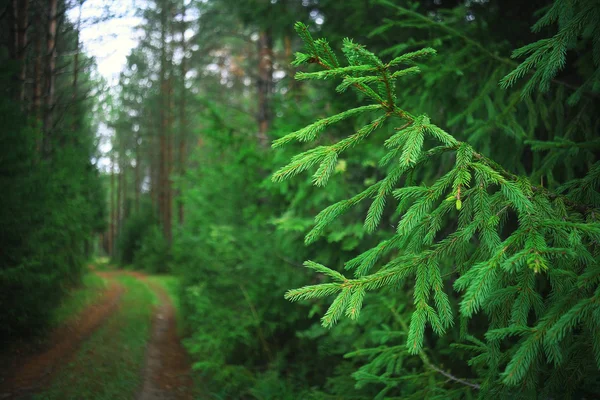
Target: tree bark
(164, 124)
(38, 83)
(50, 73)
(22, 10)
(76, 56)
(154, 171)
(265, 85)
(136, 181)
(182, 118)
(170, 130)
(118, 214)
(111, 225)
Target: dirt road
(166, 370)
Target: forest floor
(123, 343)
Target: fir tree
(475, 244)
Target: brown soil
(166, 374)
(29, 373)
(167, 368)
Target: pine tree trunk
(163, 167)
(169, 189)
(118, 216)
(38, 83)
(76, 56)
(50, 73)
(170, 136)
(13, 8)
(265, 85)
(182, 118)
(154, 171)
(121, 193)
(136, 181)
(111, 225)
(22, 27)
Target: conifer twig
(423, 356)
(468, 40)
(259, 330)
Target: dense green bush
(49, 210)
(52, 201)
(137, 231)
(222, 256)
(154, 254)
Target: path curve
(30, 373)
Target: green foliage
(547, 57)
(48, 212)
(92, 286)
(502, 240)
(454, 247)
(139, 230)
(154, 254)
(52, 201)
(224, 265)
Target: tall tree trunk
(76, 56)
(136, 180)
(164, 117)
(50, 73)
(169, 134)
(169, 162)
(119, 215)
(38, 82)
(74, 88)
(265, 84)
(111, 225)
(13, 8)
(22, 9)
(154, 171)
(182, 118)
(122, 209)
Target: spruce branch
(555, 232)
(423, 356)
(507, 81)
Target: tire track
(31, 373)
(167, 368)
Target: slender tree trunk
(119, 215)
(75, 124)
(76, 56)
(111, 227)
(14, 29)
(265, 85)
(38, 83)
(154, 171)
(170, 132)
(122, 208)
(136, 180)
(22, 27)
(288, 47)
(182, 118)
(50, 73)
(163, 167)
(169, 162)
(289, 68)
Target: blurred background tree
(53, 204)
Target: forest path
(124, 345)
(30, 372)
(167, 368)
